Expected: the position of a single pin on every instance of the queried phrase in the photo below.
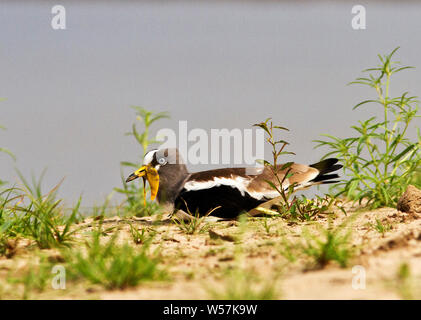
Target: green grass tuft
(242, 284)
(330, 244)
(112, 265)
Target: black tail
(326, 166)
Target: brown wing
(301, 176)
(252, 180)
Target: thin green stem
(386, 107)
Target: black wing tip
(324, 177)
(327, 165)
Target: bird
(226, 192)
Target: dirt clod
(410, 201)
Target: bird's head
(156, 162)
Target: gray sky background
(215, 64)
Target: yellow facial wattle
(147, 173)
(153, 178)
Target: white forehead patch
(149, 157)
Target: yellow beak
(149, 173)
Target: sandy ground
(199, 264)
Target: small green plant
(148, 118)
(406, 284)
(267, 226)
(284, 192)
(32, 279)
(289, 250)
(329, 244)
(416, 179)
(139, 237)
(9, 224)
(242, 284)
(42, 218)
(195, 223)
(381, 227)
(112, 265)
(35, 279)
(305, 209)
(380, 160)
(294, 208)
(134, 202)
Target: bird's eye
(162, 161)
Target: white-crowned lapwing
(232, 190)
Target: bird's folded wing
(256, 185)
